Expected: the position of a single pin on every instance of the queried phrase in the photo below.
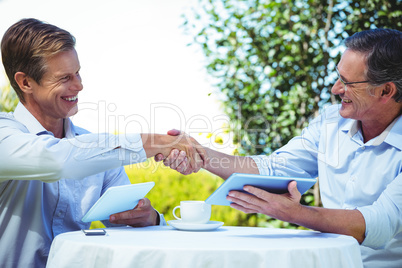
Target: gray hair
(383, 50)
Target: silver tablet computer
(117, 199)
(272, 184)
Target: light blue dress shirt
(48, 184)
(352, 175)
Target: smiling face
(357, 102)
(56, 96)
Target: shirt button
(363, 147)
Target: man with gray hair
(354, 148)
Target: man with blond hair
(51, 171)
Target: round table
(163, 246)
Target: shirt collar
(22, 115)
(350, 127)
(26, 118)
(391, 135)
(394, 135)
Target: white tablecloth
(158, 246)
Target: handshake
(177, 150)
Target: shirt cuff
(125, 148)
(162, 221)
(376, 236)
(132, 149)
(260, 161)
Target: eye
(65, 78)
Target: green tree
(8, 99)
(273, 62)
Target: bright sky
(139, 75)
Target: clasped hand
(185, 161)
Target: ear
(387, 92)
(24, 82)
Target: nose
(338, 88)
(77, 83)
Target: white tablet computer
(273, 184)
(117, 199)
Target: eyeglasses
(348, 83)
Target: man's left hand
(142, 215)
(279, 206)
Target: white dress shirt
(352, 175)
(48, 184)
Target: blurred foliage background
(8, 99)
(273, 61)
(273, 64)
(171, 187)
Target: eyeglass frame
(348, 83)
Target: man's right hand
(179, 161)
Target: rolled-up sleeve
(384, 217)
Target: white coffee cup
(193, 212)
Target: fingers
(188, 166)
(261, 194)
(183, 167)
(292, 188)
(143, 203)
(245, 202)
(243, 209)
(136, 218)
(279, 206)
(197, 154)
(159, 157)
(174, 132)
(171, 157)
(178, 161)
(142, 215)
(175, 158)
(186, 154)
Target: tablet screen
(272, 184)
(117, 199)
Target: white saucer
(180, 225)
